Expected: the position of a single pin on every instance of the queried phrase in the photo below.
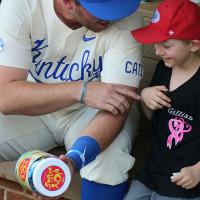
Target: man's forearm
(105, 127)
(26, 98)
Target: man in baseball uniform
(69, 71)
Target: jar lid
(51, 177)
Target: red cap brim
(148, 35)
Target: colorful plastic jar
(43, 173)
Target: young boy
(172, 170)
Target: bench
(11, 190)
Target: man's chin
(99, 27)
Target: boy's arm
(146, 110)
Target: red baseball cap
(173, 19)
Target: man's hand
(155, 98)
(110, 97)
(188, 177)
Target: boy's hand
(155, 97)
(188, 177)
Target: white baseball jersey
(33, 37)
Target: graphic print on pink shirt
(178, 127)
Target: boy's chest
(178, 125)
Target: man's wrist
(83, 151)
(83, 91)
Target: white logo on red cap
(171, 32)
(155, 17)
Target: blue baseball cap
(110, 9)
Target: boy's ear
(195, 45)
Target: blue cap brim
(111, 9)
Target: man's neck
(65, 15)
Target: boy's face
(174, 52)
